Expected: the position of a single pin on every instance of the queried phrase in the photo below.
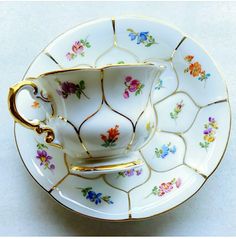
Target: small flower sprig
(195, 69)
(68, 88)
(178, 108)
(92, 196)
(132, 85)
(130, 172)
(142, 37)
(165, 150)
(44, 157)
(165, 188)
(78, 49)
(159, 84)
(111, 138)
(209, 133)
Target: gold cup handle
(13, 91)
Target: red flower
(113, 133)
(103, 137)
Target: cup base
(106, 165)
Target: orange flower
(195, 69)
(188, 58)
(113, 133)
(35, 104)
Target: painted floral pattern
(141, 38)
(78, 49)
(111, 138)
(165, 188)
(130, 172)
(165, 150)
(35, 105)
(44, 158)
(149, 127)
(178, 108)
(68, 88)
(195, 69)
(159, 84)
(209, 133)
(132, 86)
(94, 197)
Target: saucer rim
(185, 36)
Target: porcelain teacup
(99, 116)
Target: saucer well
(192, 110)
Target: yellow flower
(209, 138)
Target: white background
(25, 209)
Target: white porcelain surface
(178, 175)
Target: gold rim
(107, 167)
(164, 212)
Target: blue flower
(165, 151)
(132, 36)
(93, 197)
(142, 37)
(173, 149)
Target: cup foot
(105, 165)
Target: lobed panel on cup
(164, 191)
(92, 197)
(128, 179)
(166, 84)
(66, 135)
(76, 94)
(164, 152)
(207, 139)
(106, 133)
(197, 73)
(127, 88)
(145, 127)
(45, 163)
(40, 65)
(115, 55)
(81, 45)
(146, 38)
(176, 113)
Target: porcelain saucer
(191, 105)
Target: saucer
(192, 110)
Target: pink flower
(128, 78)
(166, 187)
(134, 85)
(69, 56)
(126, 94)
(77, 48)
(178, 183)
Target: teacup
(99, 116)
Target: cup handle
(13, 91)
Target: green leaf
(78, 93)
(82, 41)
(148, 45)
(88, 45)
(82, 85)
(130, 30)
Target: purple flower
(207, 131)
(68, 87)
(43, 156)
(211, 120)
(129, 172)
(138, 172)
